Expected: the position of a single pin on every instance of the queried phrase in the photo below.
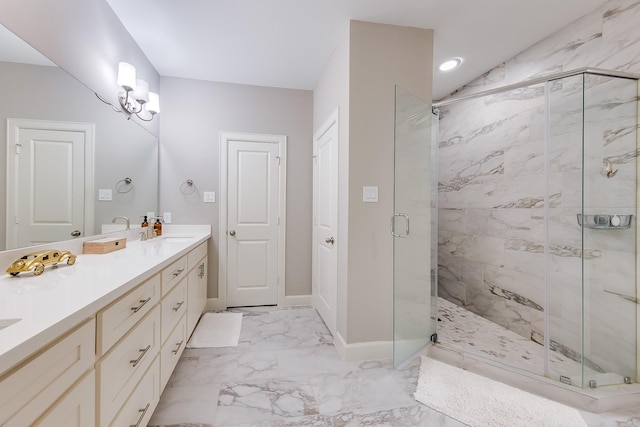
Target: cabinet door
(48, 375)
(75, 409)
(197, 294)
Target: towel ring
(123, 183)
(186, 186)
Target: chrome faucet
(113, 221)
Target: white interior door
(325, 221)
(254, 222)
(48, 171)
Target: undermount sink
(177, 239)
(7, 322)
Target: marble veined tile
(193, 403)
(309, 384)
(499, 222)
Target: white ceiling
(287, 43)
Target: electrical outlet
(167, 217)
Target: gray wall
(193, 115)
(84, 37)
(369, 62)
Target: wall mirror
(119, 174)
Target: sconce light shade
(135, 98)
(141, 93)
(126, 76)
(153, 106)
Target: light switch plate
(370, 194)
(209, 197)
(105, 194)
(167, 217)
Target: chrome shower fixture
(609, 170)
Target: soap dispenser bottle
(144, 227)
(157, 228)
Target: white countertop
(63, 296)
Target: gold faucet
(113, 221)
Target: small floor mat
(217, 330)
(481, 402)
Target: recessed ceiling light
(450, 64)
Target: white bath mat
(481, 402)
(217, 330)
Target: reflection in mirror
(124, 181)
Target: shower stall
(536, 223)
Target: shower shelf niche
(605, 221)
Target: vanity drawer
(140, 405)
(27, 392)
(174, 306)
(122, 368)
(194, 257)
(172, 274)
(171, 351)
(116, 320)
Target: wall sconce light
(135, 97)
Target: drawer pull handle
(178, 272)
(201, 274)
(142, 413)
(178, 305)
(178, 345)
(143, 351)
(142, 303)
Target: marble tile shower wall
(496, 173)
(492, 191)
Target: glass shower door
(413, 227)
(609, 251)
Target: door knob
(76, 233)
(330, 240)
(232, 233)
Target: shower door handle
(393, 225)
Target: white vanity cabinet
(42, 382)
(109, 370)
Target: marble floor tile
(285, 371)
(197, 404)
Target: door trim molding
(13, 130)
(281, 140)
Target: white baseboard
(372, 350)
(294, 300)
(215, 304)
